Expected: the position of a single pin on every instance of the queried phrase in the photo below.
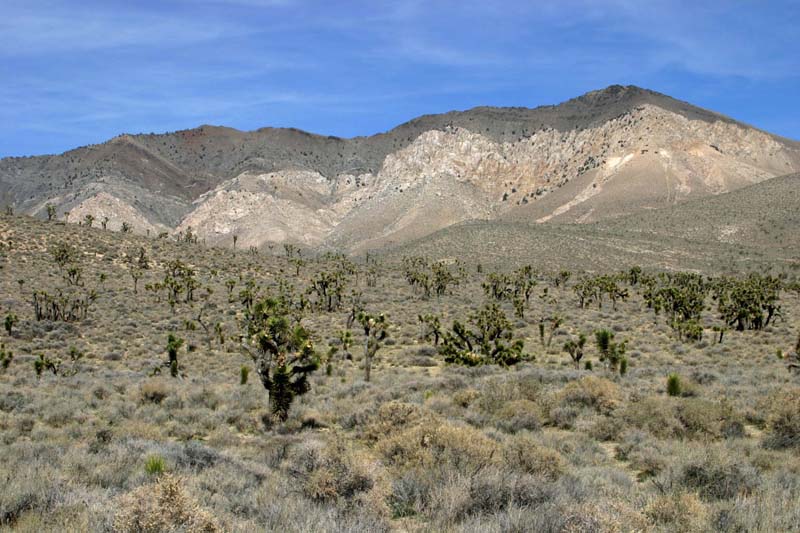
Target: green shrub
(674, 387)
(155, 465)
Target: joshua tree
(104, 223)
(10, 321)
(88, 220)
(136, 275)
(5, 357)
(345, 337)
(284, 354)
(374, 334)
(45, 363)
(575, 349)
(126, 228)
(488, 341)
(235, 238)
(173, 345)
(51, 211)
(431, 328)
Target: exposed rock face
(605, 154)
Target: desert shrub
(438, 445)
(783, 424)
(154, 391)
(717, 475)
(590, 391)
(519, 415)
(336, 472)
(642, 453)
(692, 418)
(705, 418)
(391, 418)
(606, 428)
(161, 507)
(26, 488)
(523, 453)
(654, 415)
(465, 397)
(680, 512)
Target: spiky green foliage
(611, 353)
(674, 385)
(489, 340)
(283, 353)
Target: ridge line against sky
(81, 72)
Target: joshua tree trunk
(367, 360)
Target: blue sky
(76, 72)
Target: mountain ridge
(609, 147)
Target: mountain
(605, 154)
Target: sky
(77, 72)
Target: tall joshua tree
(284, 355)
(374, 334)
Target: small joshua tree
(173, 345)
(431, 328)
(610, 352)
(88, 220)
(345, 337)
(674, 386)
(284, 355)
(10, 322)
(5, 357)
(51, 211)
(374, 334)
(136, 275)
(575, 349)
(45, 363)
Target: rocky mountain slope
(604, 154)
(752, 228)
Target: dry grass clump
(783, 423)
(681, 512)
(163, 506)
